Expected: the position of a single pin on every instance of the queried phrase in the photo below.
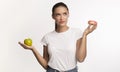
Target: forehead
(60, 9)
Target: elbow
(45, 67)
(81, 60)
(81, 57)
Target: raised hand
(92, 26)
(26, 46)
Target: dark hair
(58, 5)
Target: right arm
(42, 60)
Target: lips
(61, 22)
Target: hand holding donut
(92, 26)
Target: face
(60, 16)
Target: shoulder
(49, 34)
(45, 38)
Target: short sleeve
(44, 41)
(78, 33)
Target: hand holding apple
(28, 42)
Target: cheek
(66, 17)
(57, 18)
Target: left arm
(81, 48)
(81, 51)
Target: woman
(64, 46)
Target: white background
(20, 19)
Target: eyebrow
(57, 14)
(65, 13)
(62, 13)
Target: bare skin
(60, 16)
(42, 60)
(81, 43)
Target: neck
(62, 29)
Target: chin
(62, 24)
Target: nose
(61, 17)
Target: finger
(89, 27)
(23, 45)
(93, 28)
(19, 43)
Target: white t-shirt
(62, 48)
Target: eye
(57, 14)
(65, 13)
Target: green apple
(28, 42)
